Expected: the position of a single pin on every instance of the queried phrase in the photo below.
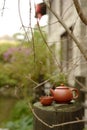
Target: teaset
(61, 94)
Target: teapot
(64, 94)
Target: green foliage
(4, 47)
(21, 109)
(5, 76)
(22, 124)
(58, 79)
(22, 61)
(21, 64)
(22, 117)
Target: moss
(59, 107)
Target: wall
(55, 30)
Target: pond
(6, 107)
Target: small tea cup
(46, 100)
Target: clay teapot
(64, 94)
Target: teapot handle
(76, 93)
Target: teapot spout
(52, 91)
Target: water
(6, 107)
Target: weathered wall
(55, 30)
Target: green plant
(58, 79)
(22, 124)
(24, 61)
(21, 109)
(21, 117)
(6, 76)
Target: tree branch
(80, 12)
(3, 8)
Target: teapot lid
(62, 86)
